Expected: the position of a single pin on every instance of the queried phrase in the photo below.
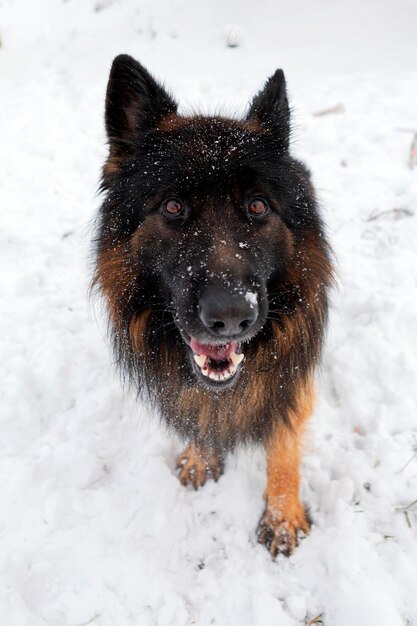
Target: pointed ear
(135, 102)
(270, 108)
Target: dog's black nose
(226, 314)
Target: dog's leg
(284, 520)
(198, 463)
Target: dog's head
(204, 222)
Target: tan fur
(137, 329)
(284, 517)
(223, 413)
(115, 277)
(112, 166)
(196, 464)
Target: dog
(212, 258)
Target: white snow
(94, 525)
(252, 298)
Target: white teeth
(236, 358)
(202, 362)
(200, 359)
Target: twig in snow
(315, 620)
(90, 621)
(397, 213)
(337, 108)
(407, 464)
(405, 509)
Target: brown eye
(173, 206)
(258, 207)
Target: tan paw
(196, 466)
(280, 535)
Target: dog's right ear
(270, 108)
(135, 102)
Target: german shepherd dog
(212, 258)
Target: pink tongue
(215, 352)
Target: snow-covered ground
(94, 525)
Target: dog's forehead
(210, 141)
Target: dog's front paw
(196, 466)
(281, 534)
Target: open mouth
(218, 363)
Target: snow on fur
(95, 527)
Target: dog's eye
(173, 207)
(258, 207)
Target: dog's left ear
(135, 102)
(270, 108)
